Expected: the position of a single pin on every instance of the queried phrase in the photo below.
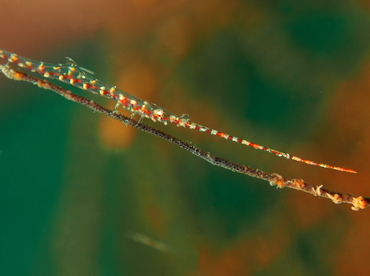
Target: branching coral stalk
(358, 202)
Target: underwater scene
(84, 194)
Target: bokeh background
(78, 189)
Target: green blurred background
(77, 189)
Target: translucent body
(72, 74)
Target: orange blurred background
(293, 76)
